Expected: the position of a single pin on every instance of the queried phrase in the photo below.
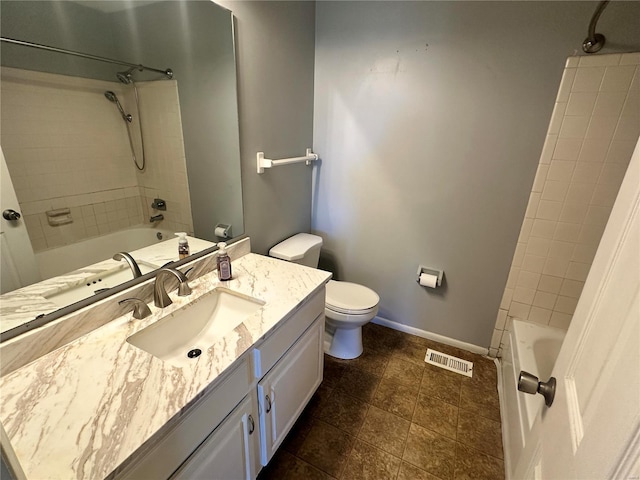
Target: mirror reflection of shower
(112, 97)
(126, 78)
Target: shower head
(126, 77)
(111, 96)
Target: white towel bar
(268, 163)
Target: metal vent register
(449, 362)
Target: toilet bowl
(348, 306)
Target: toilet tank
(302, 248)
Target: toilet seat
(350, 298)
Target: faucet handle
(140, 308)
(184, 289)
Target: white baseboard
(431, 336)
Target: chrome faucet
(132, 263)
(160, 297)
(156, 218)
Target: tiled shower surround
(593, 131)
(66, 146)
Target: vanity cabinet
(231, 451)
(235, 429)
(287, 388)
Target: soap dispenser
(224, 262)
(183, 245)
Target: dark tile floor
(389, 415)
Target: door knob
(10, 215)
(528, 383)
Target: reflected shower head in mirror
(111, 96)
(127, 77)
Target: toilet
(348, 306)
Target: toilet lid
(346, 297)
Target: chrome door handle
(268, 408)
(528, 383)
(10, 215)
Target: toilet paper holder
(222, 231)
(430, 271)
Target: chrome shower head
(111, 96)
(126, 77)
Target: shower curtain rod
(168, 72)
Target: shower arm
(167, 72)
(595, 41)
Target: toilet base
(345, 343)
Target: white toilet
(348, 306)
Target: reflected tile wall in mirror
(76, 155)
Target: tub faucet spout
(135, 269)
(160, 297)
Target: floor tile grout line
(421, 469)
(381, 450)
(480, 451)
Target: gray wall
(429, 119)
(275, 55)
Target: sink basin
(181, 336)
(95, 283)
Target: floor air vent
(449, 362)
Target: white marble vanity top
(24, 304)
(83, 409)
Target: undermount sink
(183, 335)
(96, 283)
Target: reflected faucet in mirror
(135, 269)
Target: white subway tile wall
(592, 133)
(66, 146)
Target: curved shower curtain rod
(168, 72)
(595, 41)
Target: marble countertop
(83, 409)
(24, 304)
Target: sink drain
(194, 353)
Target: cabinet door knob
(252, 425)
(268, 403)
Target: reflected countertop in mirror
(73, 157)
(23, 305)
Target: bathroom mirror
(73, 157)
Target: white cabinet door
(231, 451)
(287, 388)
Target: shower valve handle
(528, 383)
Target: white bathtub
(61, 260)
(533, 348)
